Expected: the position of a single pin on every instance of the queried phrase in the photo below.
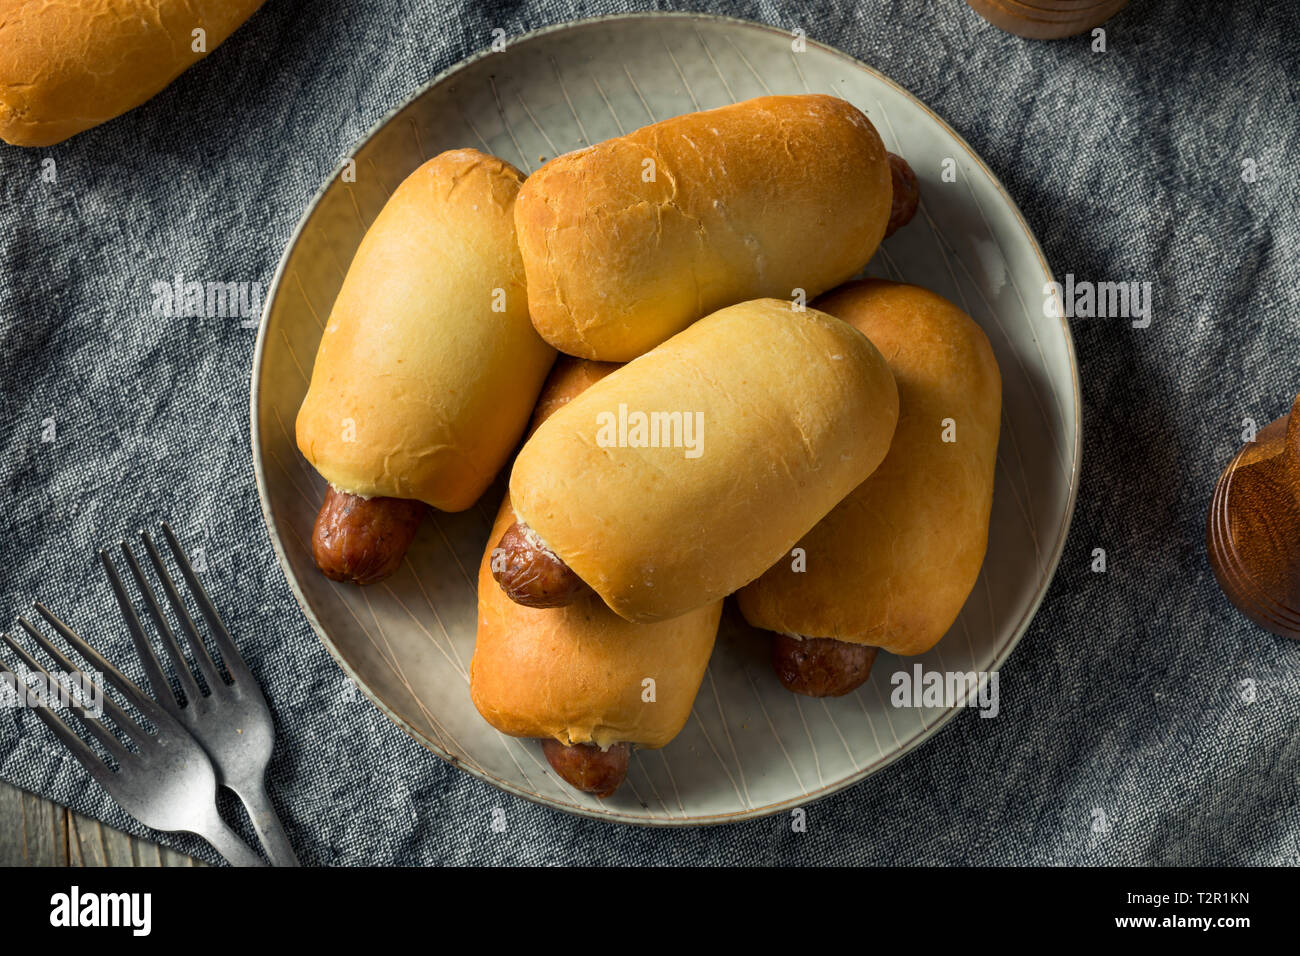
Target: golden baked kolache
(788, 411)
(427, 368)
(627, 242)
(585, 681)
(892, 564)
(70, 65)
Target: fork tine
(162, 690)
(130, 726)
(195, 640)
(96, 727)
(114, 677)
(67, 736)
(229, 651)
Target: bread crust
(747, 201)
(68, 65)
(797, 408)
(420, 387)
(893, 563)
(577, 673)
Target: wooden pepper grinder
(1253, 532)
(1046, 19)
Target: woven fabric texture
(1142, 719)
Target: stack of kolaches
(705, 432)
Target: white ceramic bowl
(750, 748)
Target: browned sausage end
(532, 574)
(821, 666)
(907, 194)
(363, 540)
(588, 768)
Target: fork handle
(226, 842)
(267, 824)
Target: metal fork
(167, 782)
(232, 722)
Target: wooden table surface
(36, 832)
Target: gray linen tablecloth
(1126, 733)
